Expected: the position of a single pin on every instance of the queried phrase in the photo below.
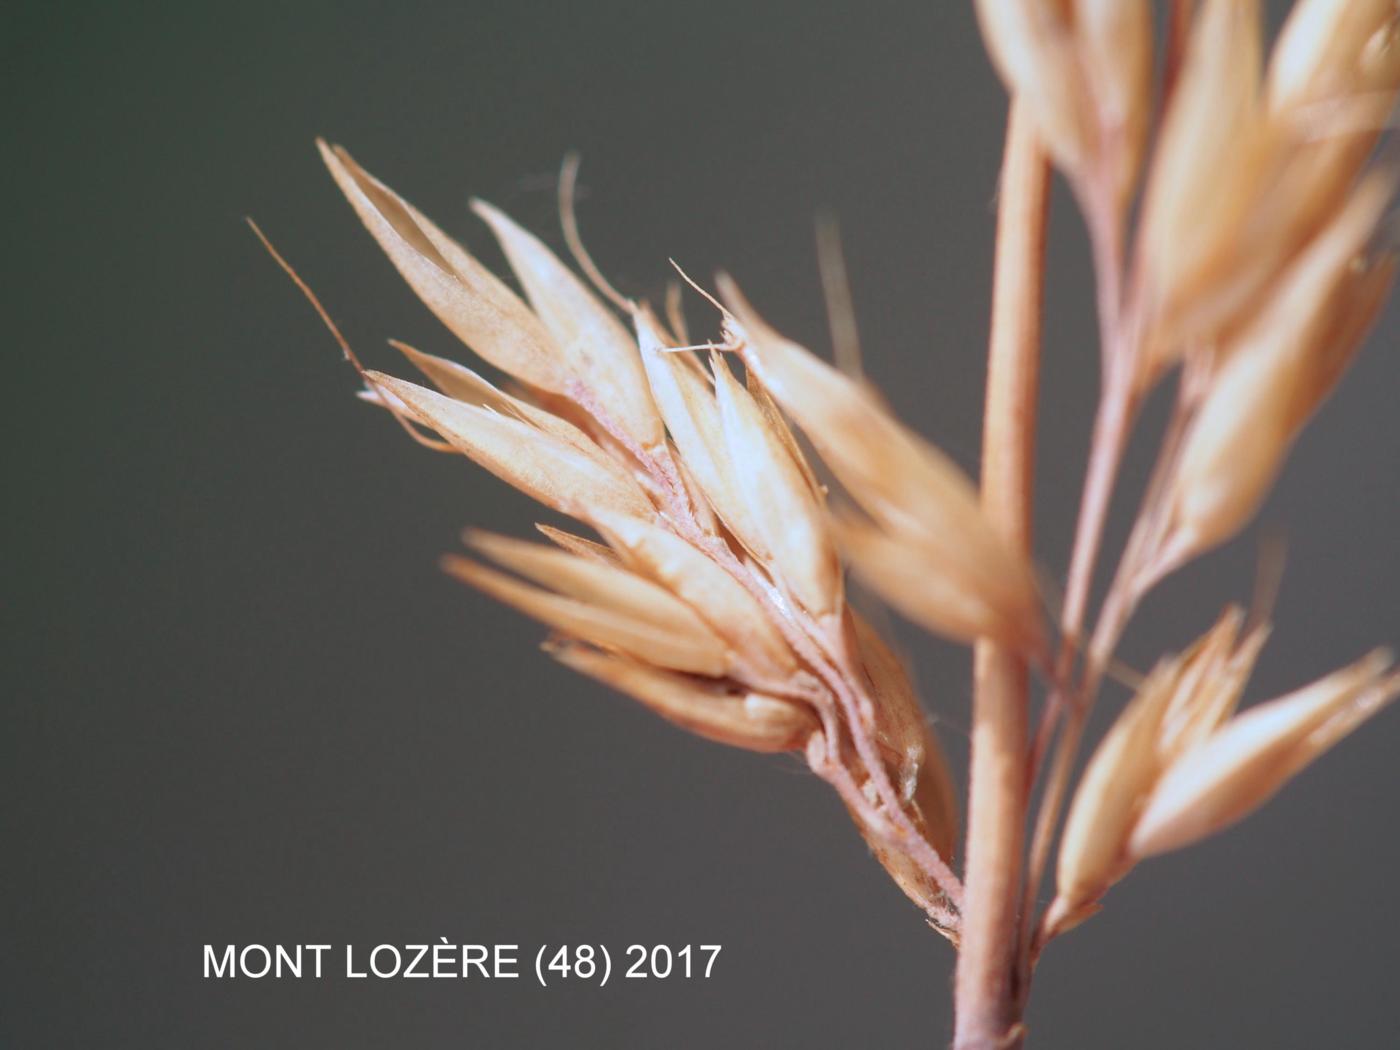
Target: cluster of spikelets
(1256, 268)
(716, 595)
(1253, 264)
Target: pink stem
(988, 996)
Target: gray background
(243, 705)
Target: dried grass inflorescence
(714, 592)
(1235, 212)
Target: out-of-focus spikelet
(1249, 168)
(1083, 68)
(1208, 156)
(1334, 51)
(1032, 45)
(1115, 47)
(1276, 372)
(926, 546)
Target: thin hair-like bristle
(568, 218)
(836, 291)
(386, 400)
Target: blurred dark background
(242, 704)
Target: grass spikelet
(1245, 762)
